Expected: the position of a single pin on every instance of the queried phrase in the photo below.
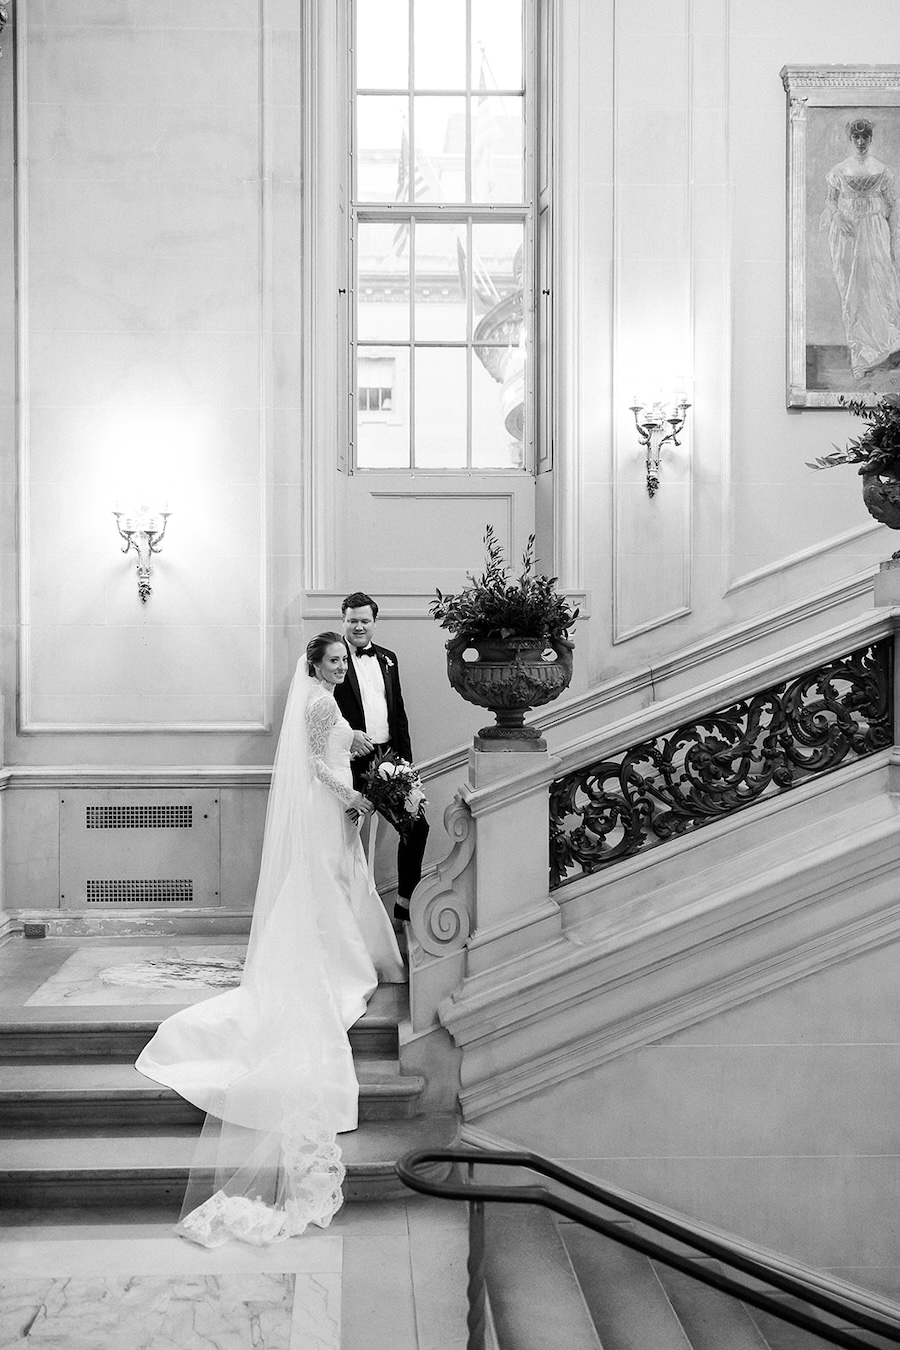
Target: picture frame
(843, 233)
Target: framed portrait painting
(843, 233)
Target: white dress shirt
(374, 697)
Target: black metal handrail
(868, 1313)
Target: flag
(484, 293)
(486, 132)
(426, 186)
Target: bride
(270, 1062)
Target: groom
(371, 701)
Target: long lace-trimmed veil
(270, 1061)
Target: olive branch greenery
(877, 450)
(497, 605)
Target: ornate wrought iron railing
(790, 1292)
(721, 762)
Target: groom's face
(359, 625)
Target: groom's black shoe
(401, 912)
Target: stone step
(135, 1168)
(535, 1298)
(66, 1095)
(121, 1032)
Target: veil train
(270, 1062)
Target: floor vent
(138, 817)
(154, 891)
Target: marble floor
(389, 1275)
(384, 1276)
(117, 971)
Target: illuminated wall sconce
(143, 530)
(652, 418)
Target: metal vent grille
(138, 817)
(153, 891)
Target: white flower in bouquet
(387, 769)
(415, 801)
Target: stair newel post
(475, 1267)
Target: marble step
(134, 1168)
(66, 1095)
(121, 1032)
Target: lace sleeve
(321, 715)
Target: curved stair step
(109, 1093)
(132, 1167)
(121, 1033)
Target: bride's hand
(361, 807)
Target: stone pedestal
(513, 911)
(887, 585)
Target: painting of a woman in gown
(861, 219)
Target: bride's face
(333, 666)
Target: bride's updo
(317, 647)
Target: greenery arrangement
(496, 605)
(878, 449)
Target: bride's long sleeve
(321, 715)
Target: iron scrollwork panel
(721, 762)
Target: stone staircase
(554, 1283)
(80, 1126)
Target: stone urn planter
(509, 676)
(877, 452)
(509, 650)
(881, 497)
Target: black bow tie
(366, 651)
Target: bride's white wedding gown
(270, 1062)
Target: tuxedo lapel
(352, 685)
(386, 673)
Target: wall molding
(144, 728)
(802, 555)
(326, 604)
(705, 652)
(27, 723)
(146, 776)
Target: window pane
(382, 167)
(497, 149)
(382, 407)
(440, 297)
(497, 274)
(497, 44)
(382, 44)
(498, 408)
(440, 161)
(440, 408)
(382, 282)
(498, 368)
(440, 44)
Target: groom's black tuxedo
(411, 848)
(349, 700)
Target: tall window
(442, 229)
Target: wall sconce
(651, 420)
(143, 530)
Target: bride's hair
(317, 647)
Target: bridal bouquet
(394, 788)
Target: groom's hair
(357, 600)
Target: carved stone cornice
(840, 77)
